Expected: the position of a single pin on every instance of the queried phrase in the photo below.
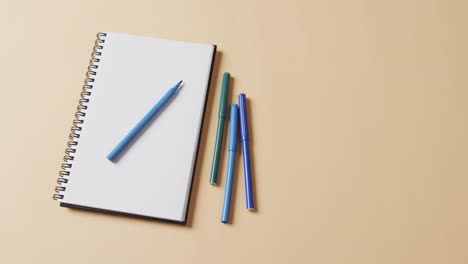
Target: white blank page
(153, 176)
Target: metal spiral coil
(79, 115)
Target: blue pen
(246, 152)
(231, 162)
(143, 122)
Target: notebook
(153, 179)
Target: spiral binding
(79, 115)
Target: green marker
(223, 102)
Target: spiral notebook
(126, 76)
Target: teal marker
(223, 102)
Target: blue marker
(143, 122)
(246, 152)
(231, 162)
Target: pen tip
(179, 84)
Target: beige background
(359, 112)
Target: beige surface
(359, 112)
